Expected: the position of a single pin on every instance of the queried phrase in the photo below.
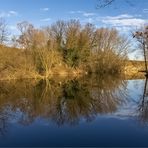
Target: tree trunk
(145, 59)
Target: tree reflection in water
(62, 101)
(143, 107)
(85, 99)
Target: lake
(89, 111)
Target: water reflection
(62, 101)
(143, 105)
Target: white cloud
(12, 27)
(44, 9)
(125, 23)
(72, 12)
(145, 10)
(76, 12)
(124, 20)
(13, 13)
(122, 16)
(87, 20)
(13, 30)
(79, 11)
(84, 13)
(88, 14)
(45, 20)
(124, 29)
(8, 14)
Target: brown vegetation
(63, 101)
(63, 48)
(134, 69)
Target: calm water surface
(91, 111)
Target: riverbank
(15, 64)
(134, 68)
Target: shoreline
(132, 69)
(73, 75)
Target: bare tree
(142, 37)
(3, 31)
(110, 50)
(26, 30)
(72, 33)
(57, 32)
(14, 41)
(105, 3)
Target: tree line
(63, 46)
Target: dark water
(91, 111)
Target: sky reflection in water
(96, 111)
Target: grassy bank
(14, 65)
(133, 68)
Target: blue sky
(122, 15)
(43, 12)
